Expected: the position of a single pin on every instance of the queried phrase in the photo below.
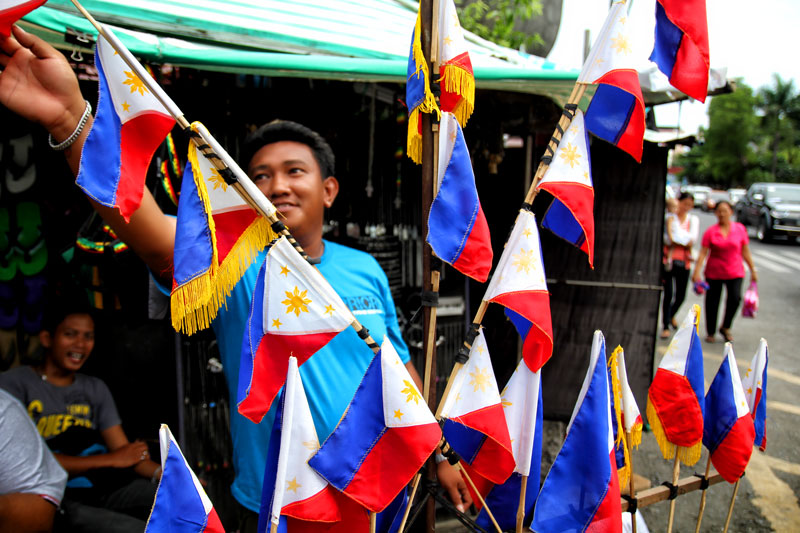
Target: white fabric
(613, 49)
(520, 401)
(571, 160)
(630, 410)
(677, 352)
(403, 405)
(166, 441)
(739, 399)
(221, 196)
(684, 233)
(474, 387)
(451, 36)
(598, 349)
(520, 267)
(755, 373)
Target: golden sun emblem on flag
(411, 392)
(296, 302)
(620, 44)
(218, 180)
(135, 82)
(524, 260)
(480, 379)
(571, 156)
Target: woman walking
(682, 232)
(725, 244)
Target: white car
(700, 193)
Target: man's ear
(330, 187)
(45, 338)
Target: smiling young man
(294, 168)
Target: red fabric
(475, 259)
(10, 15)
(139, 138)
(632, 139)
(690, 73)
(535, 306)
(730, 458)
(481, 483)
(495, 459)
(213, 525)
(608, 517)
(725, 253)
(229, 227)
(321, 507)
(579, 199)
(676, 405)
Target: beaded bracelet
(75, 134)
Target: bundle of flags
(457, 81)
(681, 45)
(384, 437)
(457, 229)
(581, 491)
(569, 179)
(12, 10)
(616, 112)
(627, 421)
(295, 312)
(218, 235)
(519, 284)
(130, 123)
(522, 405)
(475, 425)
(181, 504)
(675, 401)
(728, 430)
(755, 389)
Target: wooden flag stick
(521, 508)
(730, 509)
(414, 485)
(273, 528)
(430, 342)
(703, 499)
(676, 471)
(373, 520)
(632, 489)
(478, 495)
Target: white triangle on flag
(520, 267)
(520, 400)
(403, 405)
(571, 163)
(474, 387)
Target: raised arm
(37, 83)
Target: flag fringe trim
(623, 473)
(687, 455)
(414, 141)
(636, 435)
(459, 81)
(428, 103)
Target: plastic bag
(750, 306)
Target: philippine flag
(12, 10)
(616, 112)
(457, 229)
(519, 285)
(522, 404)
(457, 80)
(728, 430)
(217, 237)
(627, 422)
(581, 491)
(384, 437)
(129, 125)
(681, 45)
(294, 312)
(419, 97)
(475, 425)
(675, 401)
(181, 504)
(755, 389)
(292, 490)
(569, 180)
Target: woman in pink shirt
(726, 245)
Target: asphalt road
(768, 494)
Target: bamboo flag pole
(676, 471)
(703, 499)
(414, 486)
(730, 508)
(478, 495)
(521, 508)
(212, 150)
(373, 520)
(632, 489)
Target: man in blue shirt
(293, 167)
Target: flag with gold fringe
(675, 400)
(217, 237)
(456, 78)
(627, 421)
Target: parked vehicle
(714, 197)
(700, 193)
(772, 208)
(736, 195)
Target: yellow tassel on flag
(624, 472)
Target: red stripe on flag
(535, 306)
(579, 200)
(213, 525)
(321, 507)
(690, 73)
(475, 259)
(676, 405)
(632, 139)
(229, 227)
(608, 516)
(733, 453)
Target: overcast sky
(751, 39)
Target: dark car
(772, 208)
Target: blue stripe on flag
(560, 221)
(253, 332)
(522, 324)
(271, 469)
(465, 441)
(720, 409)
(694, 370)
(193, 248)
(667, 42)
(609, 112)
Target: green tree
(494, 20)
(777, 103)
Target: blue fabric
(341, 455)
(271, 468)
(255, 330)
(466, 441)
(503, 500)
(330, 377)
(609, 112)
(560, 221)
(667, 42)
(193, 249)
(388, 520)
(415, 84)
(694, 370)
(619, 451)
(760, 420)
(100, 159)
(720, 409)
(522, 324)
(178, 507)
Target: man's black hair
(286, 130)
(684, 195)
(58, 310)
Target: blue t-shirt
(330, 377)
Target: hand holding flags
(294, 312)
(581, 491)
(616, 113)
(728, 430)
(12, 10)
(519, 284)
(181, 504)
(384, 437)
(129, 125)
(675, 402)
(457, 229)
(569, 179)
(755, 389)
